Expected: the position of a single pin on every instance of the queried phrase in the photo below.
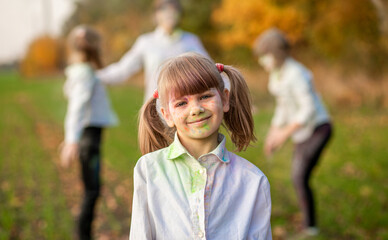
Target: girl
(299, 114)
(87, 114)
(188, 185)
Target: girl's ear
(167, 117)
(225, 100)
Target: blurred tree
(344, 33)
(332, 30)
(237, 24)
(197, 19)
(342, 26)
(197, 15)
(240, 23)
(119, 22)
(44, 56)
(348, 31)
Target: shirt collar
(278, 73)
(176, 149)
(175, 35)
(288, 62)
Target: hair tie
(156, 94)
(220, 67)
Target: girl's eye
(180, 104)
(206, 96)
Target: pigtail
(238, 119)
(153, 133)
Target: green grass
(350, 182)
(32, 205)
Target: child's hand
(69, 152)
(268, 147)
(278, 136)
(275, 139)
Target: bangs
(188, 74)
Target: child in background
(88, 112)
(188, 185)
(299, 114)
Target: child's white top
(148, 52)
(296, 99)
(219, 196)
(88, 103)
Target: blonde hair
(86, 40)
(192, 73)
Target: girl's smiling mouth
(199, 121)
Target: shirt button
(200, 234)
(202, 171)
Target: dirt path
(112, 219)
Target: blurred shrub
(240, 23)
(44, 56)
(346, 32)
(120, 22)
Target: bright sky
(23, 20)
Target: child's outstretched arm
(260, 227)
(127, 66)
(141, 225)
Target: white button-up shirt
(149, 52)
(296, 99)
(88, 103)
(219, 196)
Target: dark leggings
(89, 155)
(306, 156)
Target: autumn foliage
(44, 56)
(352, 34)
(240, 23)
(347, 31)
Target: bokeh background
(344, 43)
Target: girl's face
(197, 116)
(268, 62)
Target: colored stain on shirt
(223, 156)
(197, 181)
(173, 149)
(201, 184)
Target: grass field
(39, 200)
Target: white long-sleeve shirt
(296, 99)
(88, 103)
(220, 196)
(149, 51)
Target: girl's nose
(196, 109)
